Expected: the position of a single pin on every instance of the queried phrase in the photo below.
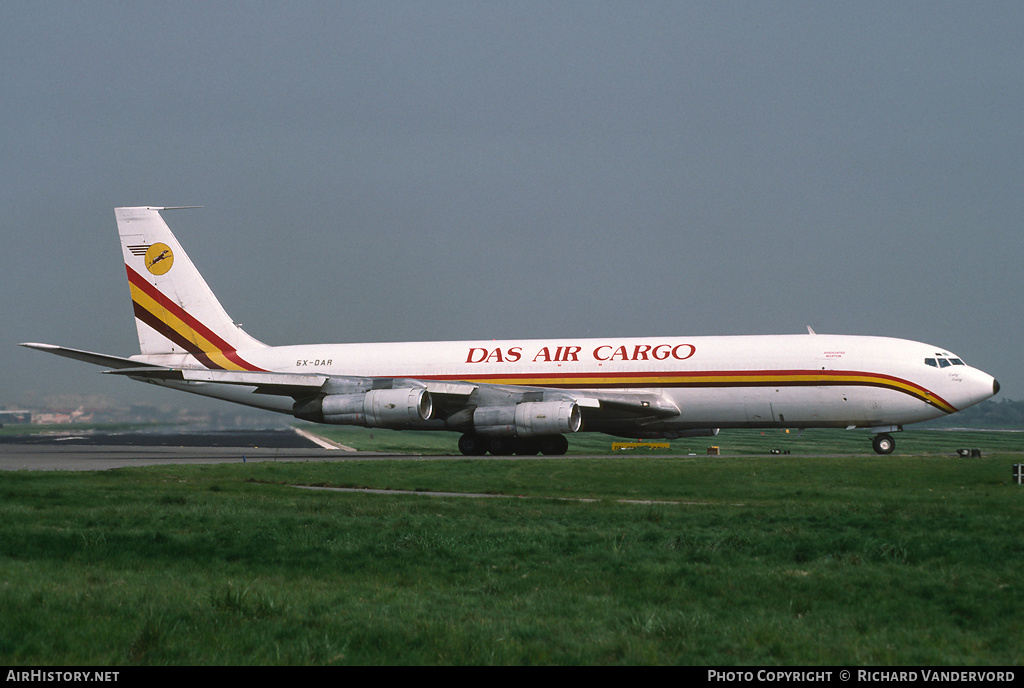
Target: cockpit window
(940, 361)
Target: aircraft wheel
(503, 446)
(473, 445)
(527, 446)
(555, 445)
(883, 444)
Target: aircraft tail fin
(175, 310)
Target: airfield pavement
(97, 451)
(104, 451)
(101, 451)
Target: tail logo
(159, 259)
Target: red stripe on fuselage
(719, 379)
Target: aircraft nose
(981, 386)
(973, 386)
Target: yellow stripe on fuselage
(718, 379)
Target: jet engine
(528, 419)
(378, 408)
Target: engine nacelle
(528, 419)
(378, 408)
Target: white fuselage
(729, 381)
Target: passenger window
(943, 363)
(931, 362)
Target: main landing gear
(550, 445)
(883, 444)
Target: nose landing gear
(883, 444)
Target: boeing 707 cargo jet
(524, 396)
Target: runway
(96, 451)
(103, 450)
(99, 451)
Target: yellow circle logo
(159, 258)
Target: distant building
(56, 417)
(15, 417)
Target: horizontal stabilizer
(115, 362)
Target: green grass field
(729, 442)
(913, 558)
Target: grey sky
(376, 171)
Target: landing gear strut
(883, 444)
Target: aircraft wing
(449, 396)
(291, 384)
(597, 407)
(282, 384)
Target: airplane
(524, 396)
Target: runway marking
(322, 442)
